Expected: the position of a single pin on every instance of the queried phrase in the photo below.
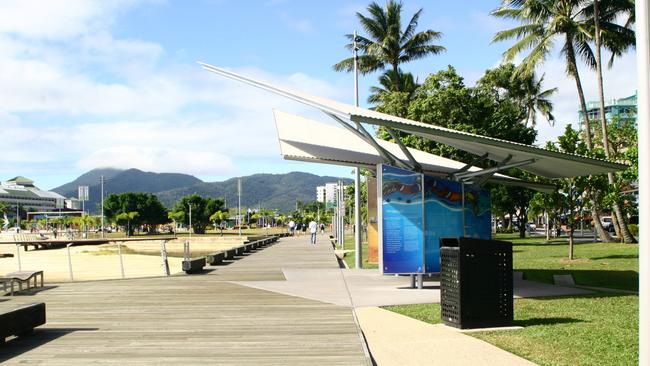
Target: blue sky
(89, 84)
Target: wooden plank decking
(193, 319)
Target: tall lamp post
(190, 228)
(101, 181)
(358, 263)
(239, 204)
(643, 87)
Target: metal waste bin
(475, 283)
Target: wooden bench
(194, 265)
(21, 320)
(20, 277)
(215, 258)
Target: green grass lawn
(600, 329)
(585, 330)
(611, 265)
(350, 257)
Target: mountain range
(274, 191)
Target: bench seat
(19, 278)
(21, 320)
(194, 265)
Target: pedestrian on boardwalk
(292, 226)
(304, 228)
(312, 230)
(322, 228)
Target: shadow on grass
(19, 345)
(545, 321)
(618, 256)
(622, 280)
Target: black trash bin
(475, 283)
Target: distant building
(22, 191)
(623, 109)
(326, 193)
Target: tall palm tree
(536, 99)
(392, 82)
(387, 44)
(617, 39)
(542, 22)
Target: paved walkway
(289, 303)
(192, 320)
(396, 339)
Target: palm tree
(617, 39)
(220, 217)
(536, 99)
(387, 44)
(543, 21)
(392, 82)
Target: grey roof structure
(536, 160)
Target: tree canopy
(202, 209)
(150, 210)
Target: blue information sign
(417, 210)
(402, 220)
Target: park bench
(6, 255)
(194, 265)
(215, 258)
(21, 320)
(19, 278)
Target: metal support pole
(190, 228)
(239, 204)
(420, 281)
(69, 261)
(643, 123)
(20, 265)
(101, 180)
(186, 250)
(119, 250)
(412, 281)
(358, 262)
(163, 255)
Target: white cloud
(56, 19)
(159, 159)
(620, 81)
(301, 25)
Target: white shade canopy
(539, 161)
(303, 139)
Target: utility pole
(239, 204)
(358, 263)
(643, 87)
(101, 181)
(190, 228)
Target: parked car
(607, 223)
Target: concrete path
(396, 339)
(351, 287)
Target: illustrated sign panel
(443, 212)
(415, 211)
(402, 221)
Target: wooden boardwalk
(197, 319)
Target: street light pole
(643, 87)
(239, 204)
(101, 180)
(190, 204)
(358, 263)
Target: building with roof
(21, 191)
(623, 109)
(326, 193)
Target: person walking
(312, 230)
(292, 226)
